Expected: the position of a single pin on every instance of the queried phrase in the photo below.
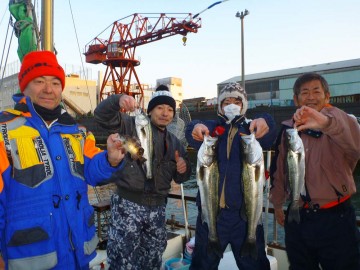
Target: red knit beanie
(39, 63)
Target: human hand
(180, 163)
(260, 127)
(280, 216)
(199, 131)
(127, 103)
(309, 118)
(115, 150)
(2, 264)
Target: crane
(117, 52)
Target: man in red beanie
(46, 164)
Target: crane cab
(114, 50)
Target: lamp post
(242, 16)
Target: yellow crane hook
(184, 39)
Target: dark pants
(328, 237)
(137, 235)
(231, 230)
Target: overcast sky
(279, 34)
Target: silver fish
(144, 133)
(295, 161)
(207, 175)
(253, 177)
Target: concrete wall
(81, 93)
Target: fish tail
(249, 249)
(294, 214)
(215, 247)
(142, 159)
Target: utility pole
(242, 16)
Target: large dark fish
(207, 175)
(295, 161)
(253, 177)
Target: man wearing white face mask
(231, 227)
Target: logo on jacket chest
(43, 155)
(4, 131)
(70, 152)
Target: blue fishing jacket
(46, 221)
(230, 164)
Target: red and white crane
(118, 51)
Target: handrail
(271, 210)
(172, 222)
(178, 197)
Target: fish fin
(141, 159)
(294, 214)
(243, 212)
(216, 248)
(249, 249)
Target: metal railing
(274, 243)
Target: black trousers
(326, 237)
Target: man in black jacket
(137, 233)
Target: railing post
(274, 231)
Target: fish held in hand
(132, 146)
(253, 177)
(295, 161)
(144, 133)
(207, 175)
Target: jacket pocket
(90, 238)
(31, 157)
(30, 244)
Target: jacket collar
(224, 120)
(25, 106)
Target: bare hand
(309, 118)
(127, 103)
(2, 264)
(180, 163)
(115, 150)
(260, 126)
(199, 131)
(280, 216)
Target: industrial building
(274, 88)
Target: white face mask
(231, 111)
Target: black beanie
(161, 95)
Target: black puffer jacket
(131, 179)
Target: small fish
(295, 161)
(144, 133)
(253, 177)
(207, 175)
(132, 146)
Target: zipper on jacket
(70, 239)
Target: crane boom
(117, 52)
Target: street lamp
(241, 16)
